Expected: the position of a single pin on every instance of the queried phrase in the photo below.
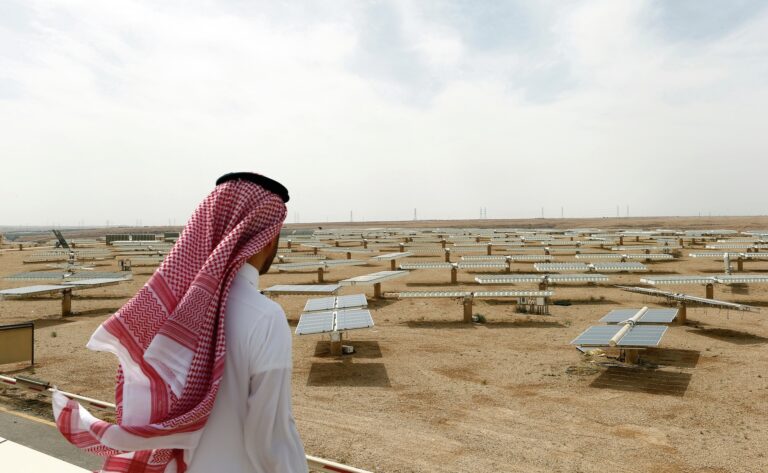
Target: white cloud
(131, 110)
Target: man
(205, 359)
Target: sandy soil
(427, 393)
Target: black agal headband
(263, 181)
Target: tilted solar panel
(651, 316)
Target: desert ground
(425, 392)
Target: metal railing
(315, 464)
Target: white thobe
(251, 427)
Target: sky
(127, 112)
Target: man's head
(263, 259)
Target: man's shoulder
(253, 308)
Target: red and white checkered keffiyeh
(169, 337)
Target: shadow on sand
(348, 374)
(664, 383)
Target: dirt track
(427, 393)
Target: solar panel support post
(454, 275)
(631, 356)
(682, 313)
(288, 244)
(621, 240)
(66, 302)
(393, 265)
(336, 343)
(377, 290)
(509, 264)
(467, 309)
(444, 243)
(320, 275)
(490, 249)
(401, 246)
(349, 255)
(740, 264)
(21, 247)
(447, 255)
(710, 291)
(314, 250)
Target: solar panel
(619, 267)
(491, 294)
(393, 256)
(482, 265)
(341, 302)
(688, 298)
(427, 251)
(638, 336)
(426, 266)
(555, 278)
(484, 258)
(643, 336)
(298, 266)
(663, 280)
(344, 262)
(58, 275)
(315, 322)
(549, 267)
(94, 282)
(730, 246)
(373, 278)
(431, 294)
(356, 249)
(353, 319)
(302, 289)
(742, 279)
(531, 258)
(651, 316)
(514, 279)
(32, 290)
